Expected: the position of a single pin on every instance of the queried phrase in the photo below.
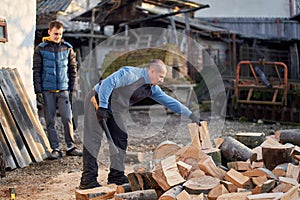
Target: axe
(114, 148)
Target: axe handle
(103, 125)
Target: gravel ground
(59, 179)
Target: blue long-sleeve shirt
(119, 90)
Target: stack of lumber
(225, 169)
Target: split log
(293, 171)
(165, 149)
(296, 153)
(234, 196)
(171, 193)
(282, 187)
(233, 150)
(183, 195)
(215, 154)
(198, 197)
(251, 140)
(259, 180)
(266, 187)
(171, 171)
(200, 135)
(239, 165)
(260, 172)
(141, 195)
(258, 152)
(292, 194)
(265, 196)
(99, 193)
(230, 186)
(276, 154)
(196, 173)
(217, 191)
(218, 142)
(201, 184)
(184, 169)
(288, 136)
(288, 180)
(133, 181)
(159, 177)
(237, 178)
(123, 188)
(280, 170)
(208, 166)
(190, 155)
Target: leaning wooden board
(21, 118)
(44, 148)
(9, 160)
(12, 134)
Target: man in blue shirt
(115, 94)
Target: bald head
(157, 71)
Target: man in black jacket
(54, 74)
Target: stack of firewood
(226, 170)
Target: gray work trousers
(93, 134)
(60, 100)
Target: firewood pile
(226, 170)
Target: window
(3, 30)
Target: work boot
(90, 185)
(74, 152)
(55, 154)
(117, 180)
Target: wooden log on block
(201, 184)
(200, 135)
(184, 169)
(171, 193)
(208, 166)
(237, 178)
(296, 153)
(250, 139)
(98, 193)
(214, 193)
(288, 136)
(280, 170)
(293, 171)
(265, 196)
(234, 196)
(141, 195)
(165, 149)
(275, 155)
(183, 195)
(233, 150)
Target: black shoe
(74, 152)
(89, 185)
(118, 180)
(55, 154)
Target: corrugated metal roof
(264, 28)
(52, 6)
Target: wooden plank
(43, 142)
(19, 113)
(4, 147)
(12, 135)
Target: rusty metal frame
(250, 86)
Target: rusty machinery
(261, 90)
